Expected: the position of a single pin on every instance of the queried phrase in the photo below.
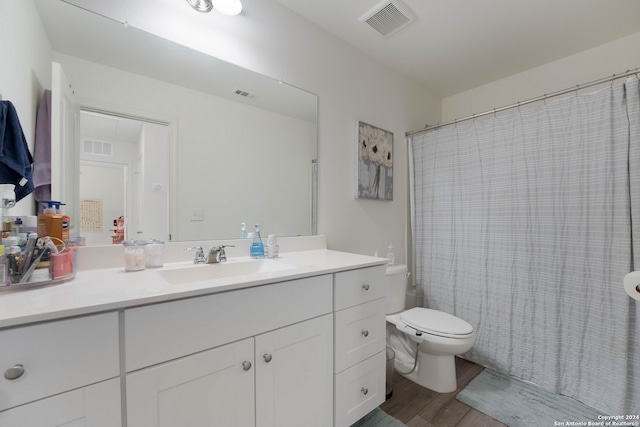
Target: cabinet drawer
(161, 332)
(96, 405)
(359, 286)
(359, 333)
(359, 390)
(58, 356)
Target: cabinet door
(294, 375)
(211, 388)
(97, 405)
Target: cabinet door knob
(365, 286)
(14, 373)
(267, 357)
(246, 365)
(365, 332)
(364, 390)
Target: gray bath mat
(378, 418)
(520, 404)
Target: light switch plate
(197, 214)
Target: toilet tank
(396, 287)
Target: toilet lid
(436, 322)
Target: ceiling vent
(244, 93)
(99, 148)
(389, 17)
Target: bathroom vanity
(294, 341)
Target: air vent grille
(389, 17)
(99, 148)
(244, 93)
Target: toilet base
(437, 373)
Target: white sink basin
(200, 272)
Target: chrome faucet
(217, 254)
(199, 258)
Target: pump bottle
(52, 223)
(257, 247)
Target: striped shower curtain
(524, 226)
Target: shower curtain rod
(428, 128)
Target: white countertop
(105, 289)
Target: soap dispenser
(257, 247)
(390, 256)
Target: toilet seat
(436, 323)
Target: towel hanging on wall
(42, 150)
(14, 153)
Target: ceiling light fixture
(201, 5)
(226, 7)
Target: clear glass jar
(134, 255)
(154, 253)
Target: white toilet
(440, 335)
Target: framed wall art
(375, 163)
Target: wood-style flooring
(419, 407)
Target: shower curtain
(524, 226)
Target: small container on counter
(134, 255)
(154, 253)
(272, 246)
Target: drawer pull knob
(267, 357)
(365, 333)
(14, 373)
(246, 365)
(364, 390)
(365, 286)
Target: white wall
(24, 73)
(593, 64)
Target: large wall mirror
(183, 145)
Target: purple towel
(42, 150)
(15, 158)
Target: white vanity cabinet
(360, 337)
(61, 373)
(260, 356)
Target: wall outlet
(197, 214)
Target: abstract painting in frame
(375, 163)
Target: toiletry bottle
(14, 257)
(4, 268)
(52, 223)
(390, 255)
(243, 230)
(257, 247)
(17, 226)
